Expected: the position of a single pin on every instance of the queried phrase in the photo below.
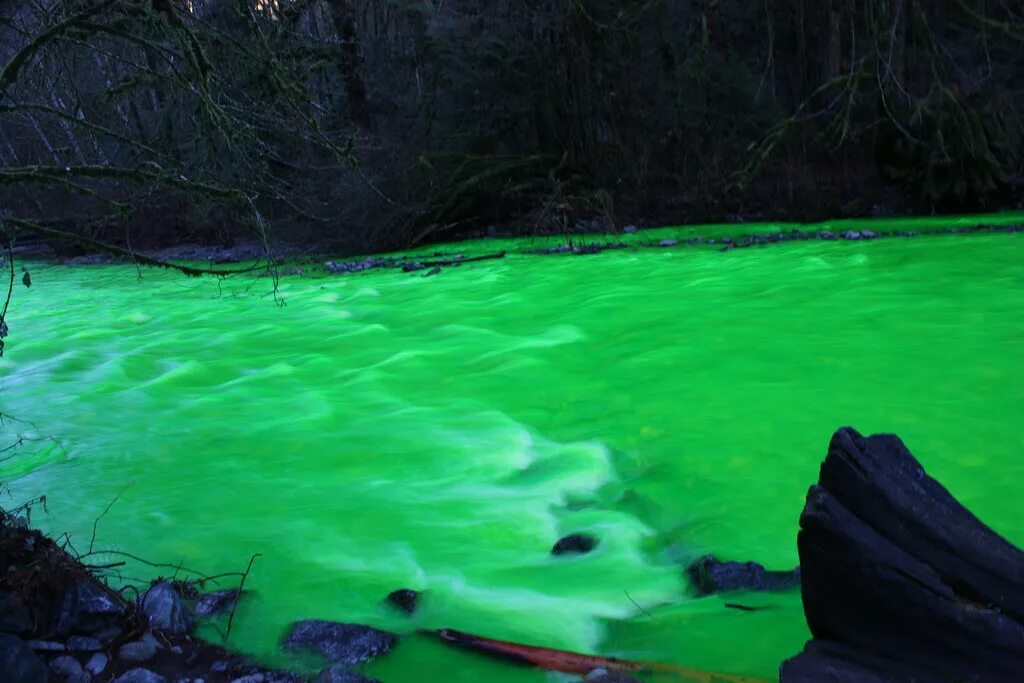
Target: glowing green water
(386, 430)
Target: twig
(95, 523)
(238, 595)
(649, 615)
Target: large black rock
(900, 581)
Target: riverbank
(591, 238)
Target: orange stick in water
(575, 662)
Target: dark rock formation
(18, 663)
(404, 599)
(574, 543)
(165, 609)
(338, 673)
(709, 575)
(341, 643)
(15, 616)
(216, 602)
(900, 581)
(86, 608)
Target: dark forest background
(370, 124)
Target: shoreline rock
(339, 642)
(900, 581)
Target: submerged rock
(216, 602)
(574, 543)
(710, 575)
(339, 673)
(340, 642)
(404, 599)
(901, 582)
(18, 663)
(165, 609)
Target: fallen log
(900, 582)
(565, 661)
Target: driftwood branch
(565, 661)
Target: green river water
(385, 430)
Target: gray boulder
(339, 673)
(165, 609)
(339, 642)
(19, 664)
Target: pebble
(851, 235)
(338, 673)
(137, 652)
(868, 234)
(629, 229)
(219, 667)
(668, 243)
(826, 235)
(140, 676)
(252, 678)
(69, 669)
(83, 644)
(97, 663)
(45, 646)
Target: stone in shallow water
(340, 642)
(165, 609)
(216, 602)
(710, 575)
(338, 673)
(404, 599)
(574, 543)
(18, 663)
